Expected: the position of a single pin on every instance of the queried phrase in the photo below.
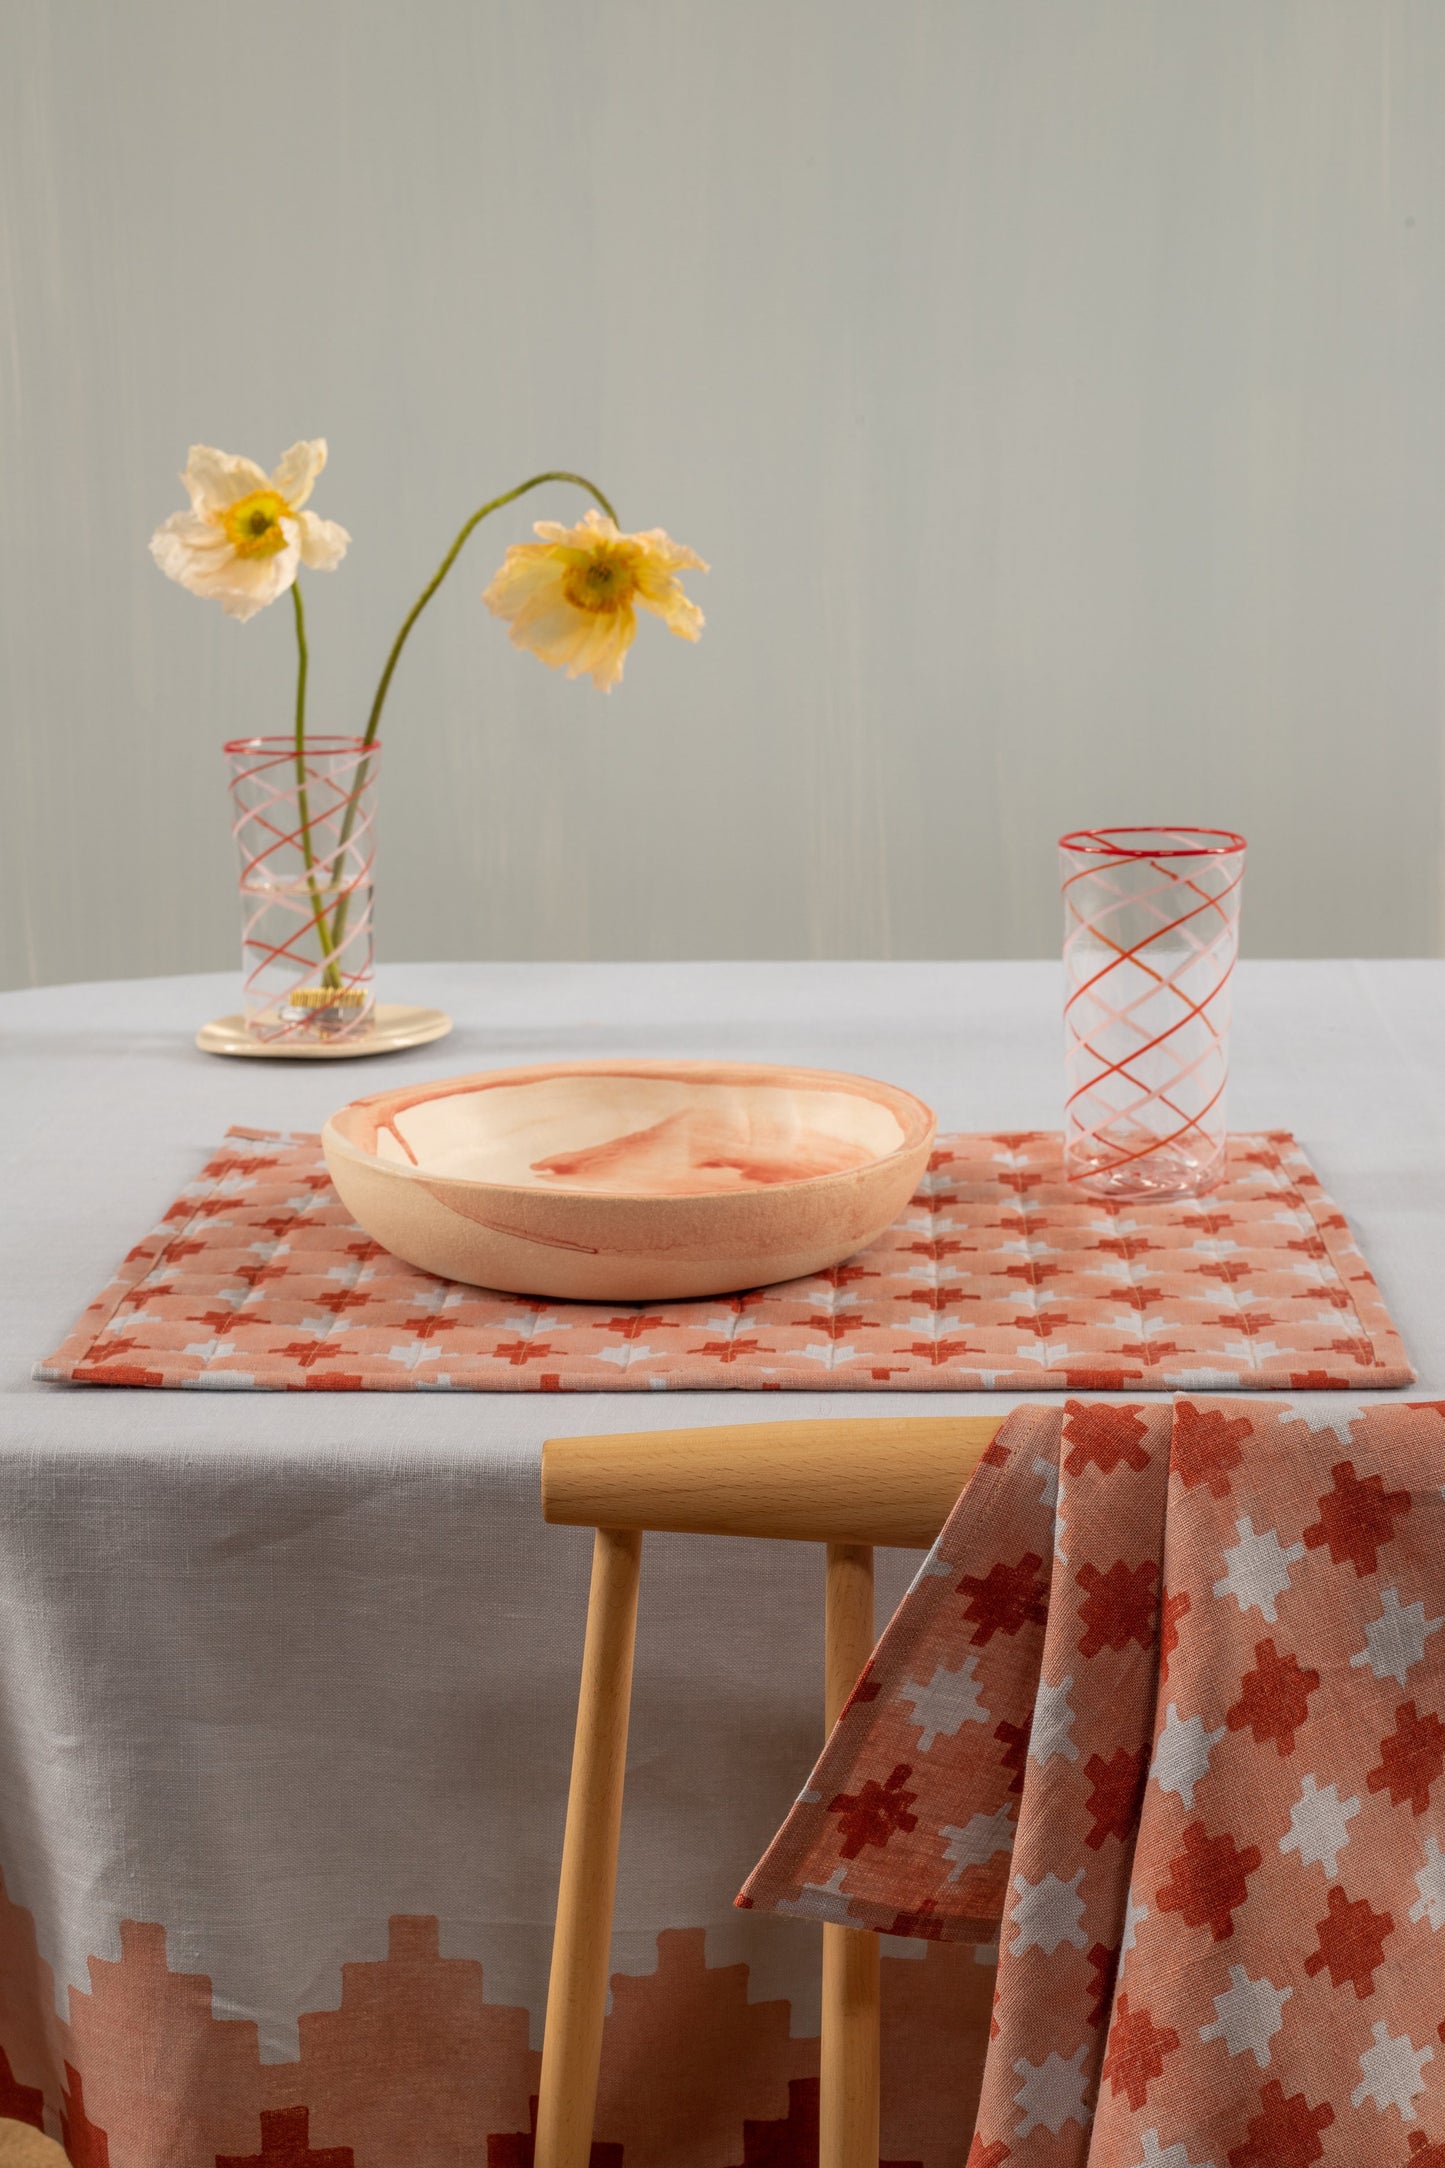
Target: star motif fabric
(998, 1277)
(1247, 2015)
(1195, 1792)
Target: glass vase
(303, 822)
(1151, 933)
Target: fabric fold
(1164, 1710)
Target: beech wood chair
(851, 1485)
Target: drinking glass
(1151, 933)
(303, 822)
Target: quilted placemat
(999, 1277)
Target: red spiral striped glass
(1151, 934)
(304, 828)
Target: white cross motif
(210, 1351)
(434, 1303)
(1254, 1354)
(1047, 1472)
(812, 1901)
(1174, 2156)
(1048, 1913)
(1390, 2073)
(1317, 1828)
(1258, 1569)
(1053, 1726)
(949, 1700)
(1247, 2015)
(1339, 1420)
(1052, 2092)
(1181, 1757)
(1396, 1641)
(321, 1325)
(1134, 1918)
(1050, 1354)
(985, 1836)
(933, 1568)
(1430, 1882)
(411, 1354)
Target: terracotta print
(998, 1276)
(417, 2065)
(1164, 1711)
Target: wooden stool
(851, 1485)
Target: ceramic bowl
(630, 1181)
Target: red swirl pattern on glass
(1151, 935)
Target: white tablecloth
(275, 1670)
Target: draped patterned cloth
(1164, 1712)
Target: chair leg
(581, 1945)
(848, 2088)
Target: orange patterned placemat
(999, 1277)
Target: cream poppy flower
(246, 536)
(572, 598)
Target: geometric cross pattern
(1247, 2015)
(1210, 1751)
(1319, 1826)
(998, 1276)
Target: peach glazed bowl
(630, 1181)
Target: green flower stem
(338, 924)
(330, 976)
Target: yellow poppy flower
(246, 536)
(572, 598)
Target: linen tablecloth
(1164, 1712)
(284, 1679)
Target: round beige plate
(395, 1025)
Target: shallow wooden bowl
(630, 1181)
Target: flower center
(600, 583)
(253, 524)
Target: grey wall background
(1056, 387)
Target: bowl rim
(919, 1121)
